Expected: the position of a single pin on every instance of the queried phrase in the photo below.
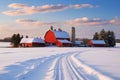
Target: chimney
(72, 37)
(51, 28)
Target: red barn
(32, 42)
(58, 38)
(97, 43)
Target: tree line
(107, 36)
(15, 39)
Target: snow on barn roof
(98, 41)
(64, 41)
(31, 40)
(61, 34)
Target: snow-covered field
(53, 63)
(4, 44)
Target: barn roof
(98, 41)
(61, 34)
(31, 40)
(64, 41)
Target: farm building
(32, 42)
(79, 44)
(63, 43)
(97, 43)
(58, 38)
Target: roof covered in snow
(32, 40)
(64, 41)
(98, 41)
(61, 34)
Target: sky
(34, 17)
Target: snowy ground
(52, 63)
(4, 44)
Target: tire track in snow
(62, 69)
(76, 71)
(58, 70)
(68, 67)
(55, 70)
(66, 72)
(75, 75)
(65, 66)
(88, 71)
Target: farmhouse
(32, 42)
(97, 43)
(57, 37)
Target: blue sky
(34, 17)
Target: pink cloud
(30, 22)
(50, 8)
(17, 5)
(25, 20)
(115, 21)
(22, 9)
(16, 12)
(91, 22)
(85, 21)
(77, 6)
